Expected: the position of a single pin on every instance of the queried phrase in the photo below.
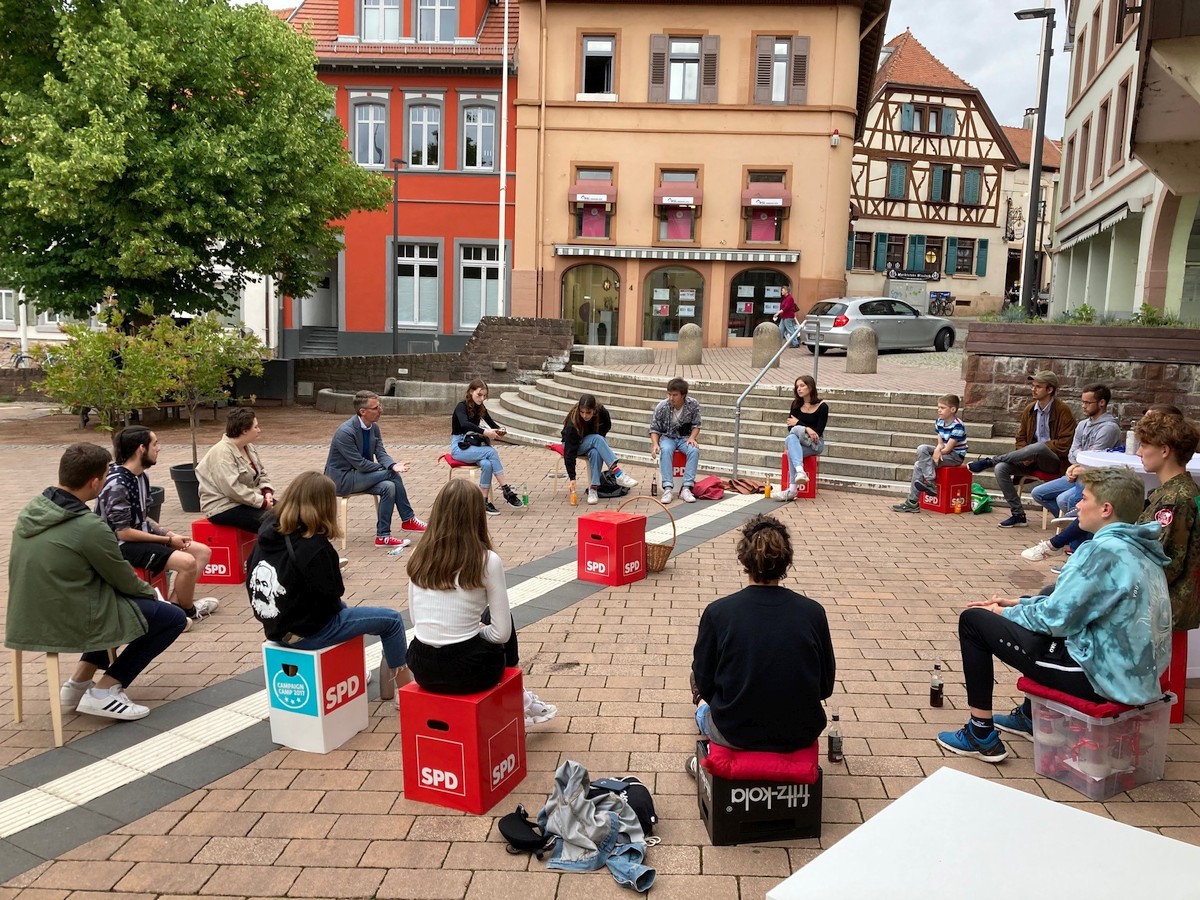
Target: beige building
(681, 162)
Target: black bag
(633, 792)
(608, 487)
(473, 439)
(523, 834)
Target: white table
(954, 834)
(1096, 459)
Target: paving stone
(154, 877)
(344, 883)
(411, 884)
(258, 881)
(241, 851)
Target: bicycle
(18, 358)
(941, 306)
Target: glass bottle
(525, 495)
(574, 499)
(654, 486)
(937, 687)
(835, 754)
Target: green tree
(168, 149)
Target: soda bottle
(835, 754)
(767, 490)
(937, 687)
(525, 495)
(654, 486)
(574, 499)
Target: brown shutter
(798, 93)
(710, 46)
(657, 92)
(764, 56)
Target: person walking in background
(806, 422)
(235, 489)
(583, 434)
(786, 317)
(675, 425)
(471, 443)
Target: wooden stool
(1040, 476)
(344, 513)
(455, 464)
(53, 680)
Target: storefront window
(754, 297)
(591, 299)
(673, 297)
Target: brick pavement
(293, 824)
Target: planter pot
(154, 509)
(187, 486)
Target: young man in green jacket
(71, 591)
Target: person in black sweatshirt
(763, 660)
(471, 443)
(583, 433)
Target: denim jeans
(789, 329)
(596, 449)
(923, 468)
(1058, 496)
(352, 621)
(708, 728)
(800, 445)
(485, 457)
(1015, 463)
(667, 446)
(388, 486)
(165, 622)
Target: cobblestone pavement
(293, 824)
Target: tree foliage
(166, 149)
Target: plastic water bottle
(1130, 440)
(574, 499)
(654, 486)
(937, 687)
(835, 754)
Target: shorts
(144, 555)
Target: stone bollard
(690, 349)
(767, 339)
(862, 355)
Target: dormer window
(437, 20)
(381, 20)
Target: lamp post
(395, 285)
(1030, 269)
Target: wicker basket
(656, 554)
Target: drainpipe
(540, 203)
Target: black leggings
(467, 667)
(247, 518)
(982, 635)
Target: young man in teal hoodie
(1104, 634)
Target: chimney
(1030, 120)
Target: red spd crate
(466, 751)
(808, 490)
(954, 491)
(612, 548)
(231, 548)
(155, 581)
(678, 467)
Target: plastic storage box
(1100, 757)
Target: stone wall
(501, 351)
(17, 384)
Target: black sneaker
(1016, 520)
(984, 462)
(511, 498)
(908, 506)
(928, 489)
(490, 507)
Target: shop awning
(679, 194)
(593, 192)
(766, 193)
(673, 253)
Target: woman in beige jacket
(234, 487)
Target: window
(1115, 30)
(897, 184)
(8, 305)
(781, 70)
(437, 20)
(381, 20)
(1068, 165)
(972, 182)
(479, 138)
(592, 201)
(1078, 53)
(927, 119)
(683, 69)
(764, 214)
(370, 134)
(933, 253)
(895, 251)
(598, 56)
(964, 258)
(673, 296)
(939, 184)
(862, 250)
(417, 277)
(677, 218)
(1094, 48)
(1085, 139)
(1121, 122)
(424, 125)
(1101, 141)
(479, 284)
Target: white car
(899, 326)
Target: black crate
(746, 812)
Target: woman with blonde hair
(471, 443)
(235, 489)
(295, 583)
(583, 433)
(465, 636)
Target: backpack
(523, 835)
(608, 487)
(633, 792)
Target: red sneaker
(389, 541)
(413, 524)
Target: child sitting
(951, 450)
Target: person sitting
(763, 660)
(1043, 440)
(235, 489)
(1104, 634)
(675, 425)
(464, 632)
(470, 442)
(70, 589)
(295, 583)
(806, 420)
(358, 463)
(951, 450)
(583, 434)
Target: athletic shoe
(593, 497)
(71, 692)
(668, 495)
(625, 481)
(343, 562)
(690, 766)
(1056, 570)
(686, 494)
(388, 541)
(1062, 521)
(490, 509)
(979, 465)
(202, 608)
(1015, 722)
(511, 497)
(928, 489)
(413, 524)
(785, 496)
(964, 743)
(1016, 520)
(800, 477)
(908, 506)
(1043, 550)
(537, 712)
(111, 704)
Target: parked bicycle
(941, 306)
(21, 359)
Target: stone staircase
(318, 341)
(870, 439)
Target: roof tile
(911, 63)
(1022, 144)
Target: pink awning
(593, 192)
(683, 193)
(766, 193)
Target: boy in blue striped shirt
(951, 450)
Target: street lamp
(1030, 284)
(395, 256)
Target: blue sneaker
(1057, 570)
(1015, 722)
(964, 743)
(981, 464)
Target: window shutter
(850, 252)
(880, 251)
(951, 254)
(657, 92)
(948, 120)
(935, 183)
(981, 246)
(971, 186)
(897, 174)
(798, 92)
(710, 46)
(916, 253)
(906, 116)
(911, 262)
(764, 56)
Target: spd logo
(633, 566)
(504, 768)
(597, 567)
(439, 779)
(337, 694)
(216, 569)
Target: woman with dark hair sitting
(471, 443)
(763, 660)
(234, 487)
(806, 435)
(583, 434)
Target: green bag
(980, 501)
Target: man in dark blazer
(358, 463)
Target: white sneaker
(111, 704)
(1062, 521)
(668, 495)
(537, 712)
(71, 693)
(593, 497)
(625, 481)
(800, 477)
(785, 496)
(1043, 550)
(686, 495)
(203, 607)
